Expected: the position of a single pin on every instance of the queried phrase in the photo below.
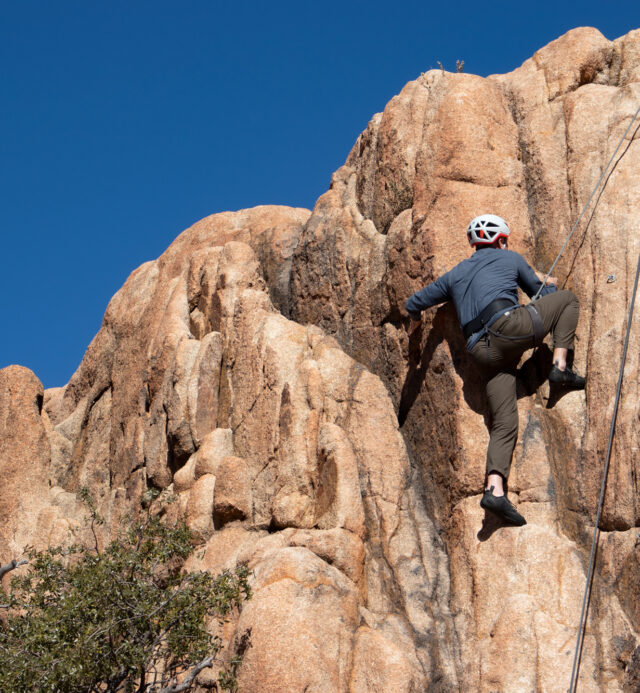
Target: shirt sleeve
(432, 294)
(529, 282)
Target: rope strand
(596, 530)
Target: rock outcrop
(261, 369)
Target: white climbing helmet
(486, 229)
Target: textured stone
(380, 665)
(36, 512)
(305, 647)
(338, 547)
(199, 507)
(204, 384)
(215, 447)
(24, 459)
(233, 491)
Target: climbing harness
(596, 530)
(584, 209)
(487, 313)
(536, 322)
(496, 306)
(537, 328)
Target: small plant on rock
(122, 619)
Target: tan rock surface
(199, 507)
(24, 459)
(35, 512)
(260, 368)
(381, 665)
(233, 491)
(302, 618)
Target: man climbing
(484, 289)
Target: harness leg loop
(538, 326)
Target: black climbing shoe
(501, 506)
(566, 377)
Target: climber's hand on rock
(547, 280)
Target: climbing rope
(584, 209)
(596, 530)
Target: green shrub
(125, 618)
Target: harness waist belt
(478, 323)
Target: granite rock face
(528, 146)
(261, 369)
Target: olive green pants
(498, 354)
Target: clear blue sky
(125, 122)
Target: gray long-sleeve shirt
(489, 274)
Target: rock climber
(484, 289)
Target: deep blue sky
(122, 123)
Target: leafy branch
(119, 618)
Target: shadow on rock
(444, 328)
(534, 373)
(418, 364)
(556, 393)
(490, 524)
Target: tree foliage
(125, 618)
